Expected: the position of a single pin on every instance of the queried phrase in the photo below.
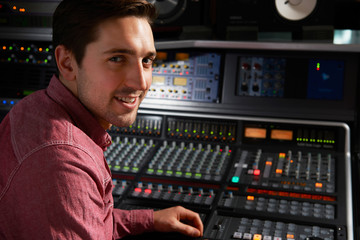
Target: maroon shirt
(54, 180)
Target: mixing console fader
(248, 178)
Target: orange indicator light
(279, 171)
(257, 237)
(250, 198)
(318, 185)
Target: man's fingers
(187, 229)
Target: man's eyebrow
(128, 51)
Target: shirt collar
(82, 118)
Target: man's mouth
(126, 99)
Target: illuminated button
(318, 185)
(256, 172)
(235, 179)
(279, 171)
(257, 237)
(250, 198)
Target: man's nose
(137, 77)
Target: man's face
(116, 71)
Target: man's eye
(148, 61)
(116, 59)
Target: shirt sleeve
(60, 193)
(132, 222)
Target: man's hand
(178, 219)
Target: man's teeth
(126, 99)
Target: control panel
(248, 178)
(186, 76)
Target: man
(54, 180)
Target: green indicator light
(160, 171)
(27, 60)
(47, 49)
(135, 169)
(138, 127)
(188, 174)
(198, 175)
(130, 126)
(150, 170)
(211, 132)
(117, 167)
(169, 129)
(28, 49)
(126, 168)
(9, 59)
(46, 61)
(235, 179)
(185, 148)
(109, 166)
(194, 131)
(186, 130)
(179, 173)
(220, 133)
(11, 48)
(229, 134)
(193, 149)
(153, 145)
(169, 172)
(155, 128)
(147, 128)
(177, 130)
(203, 132)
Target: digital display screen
(180, 81)
(255, 132)
(325, 79)
(158, 80)
(182, 56)
(161, 55)
(279, 134)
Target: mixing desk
(249, 178)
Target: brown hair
(75, 22)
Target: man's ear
(66, 63)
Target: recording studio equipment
(303, 19)
(185, 19)
(267, 161)
(258, 138)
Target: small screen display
(325, 79)
(279, 134)
(255, 132)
